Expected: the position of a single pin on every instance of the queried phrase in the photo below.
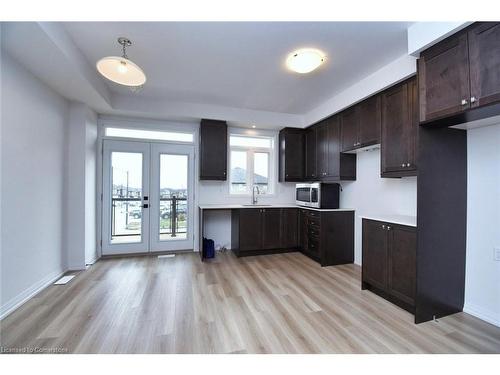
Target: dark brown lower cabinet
(289, 228)
(271, 228)
(389, 261)
(327, 236)
(257, 231)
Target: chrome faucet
(254, 196)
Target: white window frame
(272, 151)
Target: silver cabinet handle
(388, 227)
(472, 99)
(383, 226)
(464, 102)
(403, 165)
(407, 164)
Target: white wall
(32, 166)
(81, 245)
(482, 285)
(372, 194)
(218, 223)
(422, 35)
(90, 187)
(403, 67)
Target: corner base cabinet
(327, 236)
(324, 236)
(389, 262)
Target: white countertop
(277, 205)
(391, 218)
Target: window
(149, 134)
(251, 164)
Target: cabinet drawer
(313, 231)
(313, 246)
(312, 214)
(314, 224)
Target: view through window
(250, 161)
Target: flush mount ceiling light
(121, 70)
(305, 60)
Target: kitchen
(336, 204)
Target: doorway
(147, 203)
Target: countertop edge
(407, 220)
(238, 206)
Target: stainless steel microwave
(317, 195)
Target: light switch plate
(496, 254)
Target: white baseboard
(16, 302)
(483, 314)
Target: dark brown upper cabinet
(444, 78)
(292, 155)
(361, 124)
(322, 155)
(213, 150)
(310, 165)
(484, 59)
(370, 119)
(349, 128)
(331, 165)
(399, 130)
(459, 74)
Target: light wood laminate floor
(268, 304)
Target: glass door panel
(125, 197)
(126, 201)
(172, 197)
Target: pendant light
(121, 70)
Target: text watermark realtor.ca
(32, 350)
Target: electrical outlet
(496, 253)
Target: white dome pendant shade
(121, 70)
(305, 60)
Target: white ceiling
(241, 65)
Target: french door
(148, 196)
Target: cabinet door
(374, 263)
(289, 228)
(333, 141)
(291, 155)
(444, 78)
(213, 150)
(413, 125)
(322, 150)
(311, 154)
(271, 228)
(402, 263)
(484, 58)
(395, 151)
(303, 230)
(250, 229)
(369, 121)
(349, 128)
